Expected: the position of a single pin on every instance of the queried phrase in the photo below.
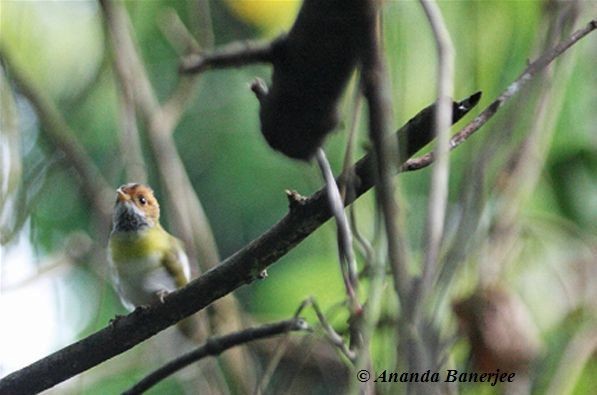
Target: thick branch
(242, 268)
(215, 346)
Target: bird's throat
(127, 219)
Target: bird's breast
(127, 246)
(138, 270)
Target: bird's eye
(142, 200)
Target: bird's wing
(177, 264)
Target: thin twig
(352, 135)
(333, 337)
(531, 70)
(202, 24)
(438, 194)
(347, 187)
(214, 346)
(348, 265)
(173, 108)
(130, 141)
(177, 33)
(376, 91)
(278, 353)
(375, 88)
(274, 361)
(574, 358)
(59, 134)
(232, 55)
(525, 164)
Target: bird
(147, 262)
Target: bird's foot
(263, 275)
(162, 295)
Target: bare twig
(378, 100)
(180, 37)
(352, 134)
(376, 91)
(531, 70)
(348, 265)
(233, 55)
(129, 64)
(214, 346)
(332, 336)
(130, 141)
(62, 137)
(274, 361)
(574, 358)
(347, 188)
(525, 164)
(177, 34)
(76, 246)
(11, 176)
(202, 24)
(438, 194)
(277, 354)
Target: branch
(58, 133)
(376, 93)
(376, 90)
(574, 359)
(215, 346)
(178, 35)
(438, 194)
(331, 335)
(130, 141)
(531, 70)
(232, 55)
(348, 265)
(304, 217)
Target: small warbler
(147, 261)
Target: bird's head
(136, 208)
